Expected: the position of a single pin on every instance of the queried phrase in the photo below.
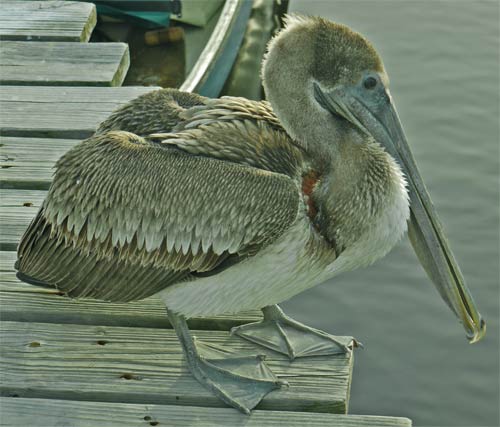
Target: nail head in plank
(47, 20)
(17, 209)
(146, 366)
(82, 414)
(61, 112)
(63, 63)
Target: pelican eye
(370, 82)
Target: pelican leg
(241, 382)
(280, 333)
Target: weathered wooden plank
(27, 163)
(6, 261)
(47, 20)
(17, 209)
(146, 366)
(30, 199)
(46, 305)
(63, 63)
(47, 412)
(62, 112)
(22, 302)
(10, 283)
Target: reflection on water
(167, 64)
(162, 65)
(442, 58)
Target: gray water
(443, 61)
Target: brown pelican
(223, 205)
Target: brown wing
(157, 111)
(125, 218)
(239, 130)
(228, 128)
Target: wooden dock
(90, 363)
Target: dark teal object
(147, 14)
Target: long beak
(377, 116)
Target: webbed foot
(239, 381)
(280, 333)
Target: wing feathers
(125, 217)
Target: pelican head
(328, 86)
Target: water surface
(443, 61)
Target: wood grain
(146, 366)
(35, 305)
(63, 63)
(46, 412)
(23, 302)
(47, 20)
(60, 112)
(27, 163)
(17, 209)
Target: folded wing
(124, 218)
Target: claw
(357, 344)
(283, 383)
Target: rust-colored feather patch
(309, 181)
